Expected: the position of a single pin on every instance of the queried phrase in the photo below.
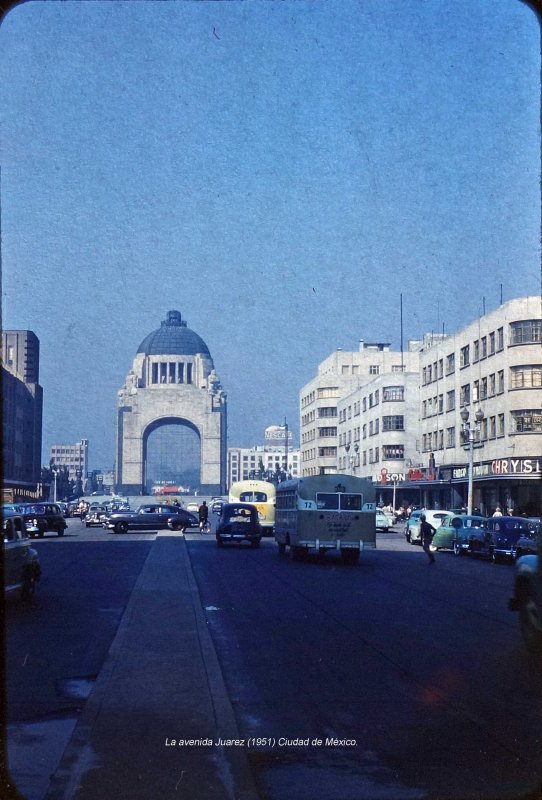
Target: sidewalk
(160, 682)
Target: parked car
(383, 522)
(239, 522)
(527, 599)
(453, 532)
(433, 516)
(40, 518)
(527, 544)
(95, 515)
(499, 539)
(193, 507)
(152, 516)
(217, 506)
(22, 568)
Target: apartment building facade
(244, 461)
(340, 375)
(494, 365)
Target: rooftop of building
(173, 338)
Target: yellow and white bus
(326, 512)
(262, 495)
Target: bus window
(327, 502)
(351, 502)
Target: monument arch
(172, 381)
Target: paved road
(421, 666)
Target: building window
(397, 368)
(500, 381)
(464, 395)
(528, 331)
(492, 427)
(189, 373)
(154, 373)
(476, 351)
(500, 339)
(393, 423)
(450, 364)
(345, 369)
(328, 391)
(163, 372)
(491, 343)
(483, 347)
(500, 425)
(527, 377)
(374, 369)
(323, 432)
(450, 437)
(492, 384)
(440, 403)
(393, 394)
(172, 371)
(450, 400)
(527, 421)
(464, 356)
(393, 452)
(483, 389)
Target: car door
(146, 518)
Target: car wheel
(176, 526)
(28, 587)
(407, 536)
(87, 524)
(121, 527)
(61, 533)
(458, 550)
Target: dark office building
(22, 407)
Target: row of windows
(482, 348)
(171, 372)
(493, 427)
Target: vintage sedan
(498, 541)
(21, 562)
(149, 517)
(95, 516)
(239, 522)
(454, 530)
(433, 516)
(383, 522)
(40, 518)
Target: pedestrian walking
(497, 512)
(427, 532)
(203, 514)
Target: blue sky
(280, 172)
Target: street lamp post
(54, 470)
(470, 430)
(352, 459)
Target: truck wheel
(297, 553)
(350, 556)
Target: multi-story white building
(72, 456)
(242, 461)
(378, 427)
(493, 364)
(342, 374)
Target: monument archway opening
(172, 456)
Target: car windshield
(34, 509)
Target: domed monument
(172, 381)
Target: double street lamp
(54, 470)
(470, 430)
(354, 457)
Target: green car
(453, 533)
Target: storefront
(510, 483)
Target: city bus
(262, 495)
(326, 512)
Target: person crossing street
(427, 532)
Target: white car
(193, 507)
(383, 522)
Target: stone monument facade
(172, 381)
